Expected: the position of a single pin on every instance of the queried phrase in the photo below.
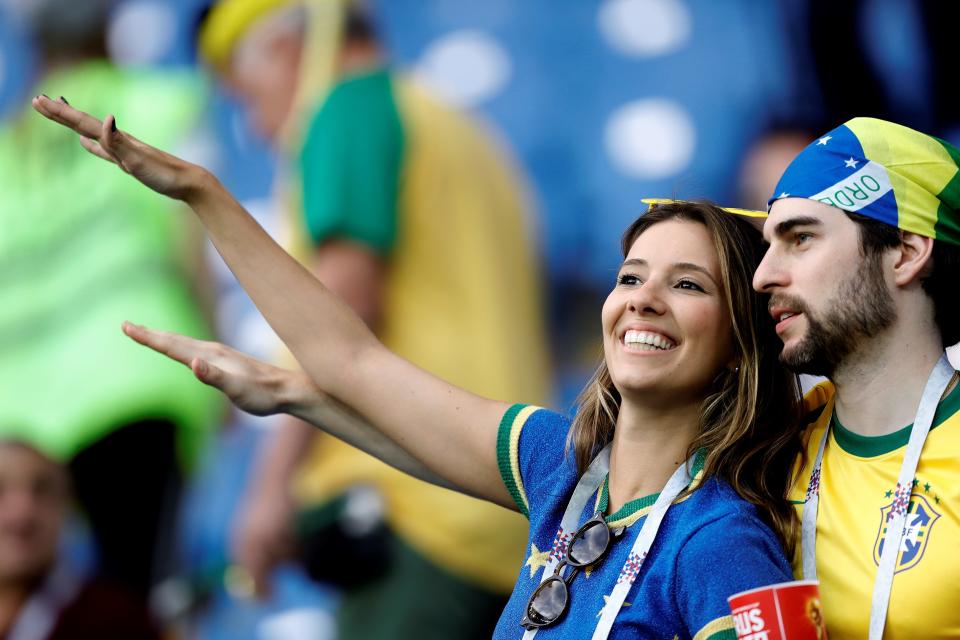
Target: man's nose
(770, 273)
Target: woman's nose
(647, 298)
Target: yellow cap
(227, 22)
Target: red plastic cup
(785, 611)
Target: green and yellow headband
(227, 23)
(882, 170)
(757, 216)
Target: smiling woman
(684, 286)
(663, 488)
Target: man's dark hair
(940, 284)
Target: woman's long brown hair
(750, 422)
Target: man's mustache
(785, 301)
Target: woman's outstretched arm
(263, 389)
(449, 430)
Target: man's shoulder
(354, 99)
(816, 400)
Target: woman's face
(666, 329)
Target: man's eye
(689, 285)
(802, 237)
(628, 279)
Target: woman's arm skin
(263, 389)
(449, 430)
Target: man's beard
(861, 308)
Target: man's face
(33, 504)
(263, 72)
(826, 298)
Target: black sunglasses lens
(589, 544)
(548, 602)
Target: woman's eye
(690, 285)
(628, 279)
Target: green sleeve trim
(718, 629)
(508, 440)
(351, 163)
(727, 634)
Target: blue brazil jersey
(711, 545)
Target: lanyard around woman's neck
(588, 485)
(936, 385)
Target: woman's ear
(914, 260)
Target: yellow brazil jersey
(461, 300)
(857, 483)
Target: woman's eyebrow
(676, 266)
(692, 266)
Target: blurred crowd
(457, 172)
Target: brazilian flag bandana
(885, 171)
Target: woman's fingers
(173, 345)
(251, 385)
(62, 113)
(94, 147)
(99, 137)
(111, 139)
(208, 373)
(159, 171)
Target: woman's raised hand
(158, 170)
(445, 431)
(253, 386)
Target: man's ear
(914, 260)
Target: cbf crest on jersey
(921, 516)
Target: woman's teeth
(647, 341)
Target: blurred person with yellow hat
(408, 210)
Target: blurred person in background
(41, 598)
(410, 212)
(855, 58)
(124, 425)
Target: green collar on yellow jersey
(871, 446)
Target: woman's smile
(647, 340)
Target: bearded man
(864, 232)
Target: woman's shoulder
(722, 526)
(725, 548)
(530, 426)
(715, 500)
